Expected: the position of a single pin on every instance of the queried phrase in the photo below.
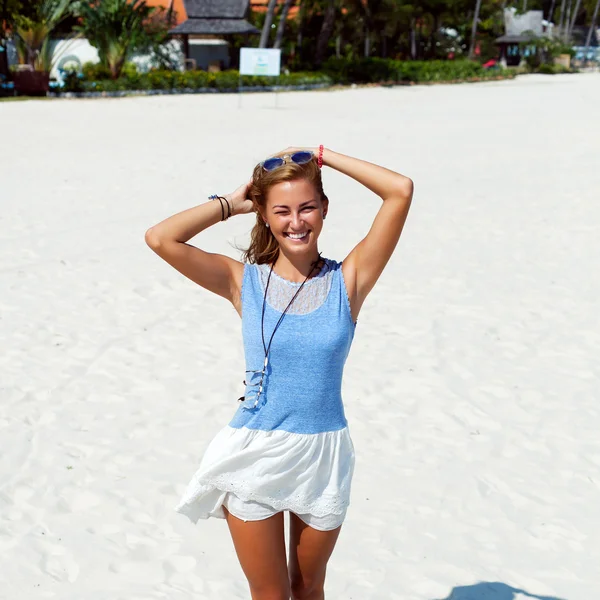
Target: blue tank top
(303, 381)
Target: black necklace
(262, 319)
(262, 330)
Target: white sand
(472, 389)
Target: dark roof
(214, 27)
(224, 9)
(515, 39)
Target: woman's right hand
(242, 205)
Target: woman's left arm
(365, 263)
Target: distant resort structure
(194, 41)
(522, 31)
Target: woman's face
(295, 215)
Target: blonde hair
(263, 247)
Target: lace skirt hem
(302, 473)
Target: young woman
(287, 447)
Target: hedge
(553, 69)
(372, 70)
(95, 78)
(187, 80)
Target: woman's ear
(262, 217)
(325, 207)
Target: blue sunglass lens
(272, 163)
(301, 158)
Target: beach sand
(472, 389)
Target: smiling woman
(290, 208)
(288, 445)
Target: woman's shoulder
(333, 264)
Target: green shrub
(369, 70)
(159, 80)
(195, 80)
(257, 81)
(364, 70)
(95, 71)
(107, 85)
(304, 79)
(129, 70)
(73, 81)
(548, 69)
(227, 80)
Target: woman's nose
(296, 220)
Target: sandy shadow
(487, 590)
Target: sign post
(259, 61)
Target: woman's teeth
(297, 236)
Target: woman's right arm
(215, 272)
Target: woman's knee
(306, 590)
(281, 592)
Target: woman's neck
(296, 268)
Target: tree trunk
(367, 42)
(266, 30)
(561, 21)
(551, 13)
(282, 22)
(588, 40)
(474, 29)
(572, 24)
(564, 32)
(413, 41)
(433, 36)
(301, 14)
(325, 33)
(3, 58)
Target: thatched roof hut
(215, 17)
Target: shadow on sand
(487, 590)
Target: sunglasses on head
(300, 158)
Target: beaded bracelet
(320, 159)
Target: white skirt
(305, 473)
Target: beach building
(584, 53)
(204, 31)
(519, 29)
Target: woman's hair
(264, 248)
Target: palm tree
(474, 29)
(282, 22)
(32, 38)
(588, 39)
(375, 15)
(326, 31)
(118, 28)
(561, 21)
(565, 28)
(266, 30)
(570, 30)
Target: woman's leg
(260, 547)
(310, 550)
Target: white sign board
(260, 61)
